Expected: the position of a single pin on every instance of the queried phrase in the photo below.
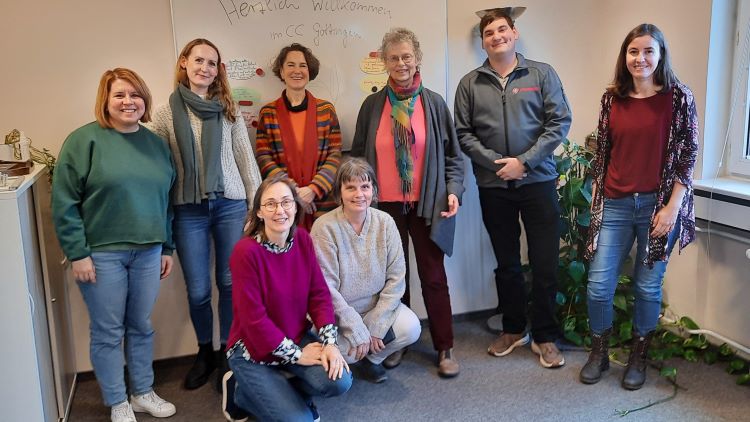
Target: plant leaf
(710, 357)
(576, 270)
(688, 323)
(574, 338)
(690, 355)
(560, 299)
(668, 372)
(743, 379)
(584, 219)
(736, 365)
(620, 302)
(725, 350)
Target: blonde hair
(397, 36)
(105, 85)
(219, 88)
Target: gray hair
(399, 35)
(354, 169)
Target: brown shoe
(447, 364)
(549, 355)
(506, 342)
(394, 359)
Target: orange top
(298, 127)
(388, 181)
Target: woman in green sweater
(110, 205)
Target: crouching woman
(277, 364)
(359, 250)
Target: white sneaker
(122, 412)
(152, 404)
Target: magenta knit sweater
(273, 293)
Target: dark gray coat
(444, 165)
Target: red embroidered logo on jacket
(526, 89)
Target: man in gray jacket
(511, 113)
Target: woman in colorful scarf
(298, 135)
(279, 364)
(216, 177)
(406, 133)
(647, 141)
(110, 205)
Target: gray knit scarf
(211, 113)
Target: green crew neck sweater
(111, 191)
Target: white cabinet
(36, 361)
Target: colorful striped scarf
(402, 103)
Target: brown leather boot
(635, 374)
(447, 364)
(598, 361)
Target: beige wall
(55, 54)
(56, 51)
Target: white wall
(56, 51)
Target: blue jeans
(266, 392)
(194, 225)
(120, 304)
(625, 220)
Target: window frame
(738, 155)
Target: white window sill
(725, 200)
(730, 186)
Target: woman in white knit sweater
(359, 250)
(216, 176)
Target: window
(739, 129)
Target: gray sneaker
(369, 371)
(122, 412)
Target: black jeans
(538, 207)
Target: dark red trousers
(431, 272)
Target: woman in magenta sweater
(277, 283)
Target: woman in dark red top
(642, 190)
(277, 283)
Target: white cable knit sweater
(240, 170)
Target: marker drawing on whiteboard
(350, 6)
(241, 69)
(328, 31)
(291, 31)
(236, 10)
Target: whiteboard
(343, 34)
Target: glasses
(406, 58)
(271, 206)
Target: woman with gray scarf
(216, 176)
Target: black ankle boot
(222, 366)
(204, 364)
(598, 361)
(635, 373)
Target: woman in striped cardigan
(298, 134)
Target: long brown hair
(219, 88)
(105, 85)
(255, 224)
(664, 76)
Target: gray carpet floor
(510, 388)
